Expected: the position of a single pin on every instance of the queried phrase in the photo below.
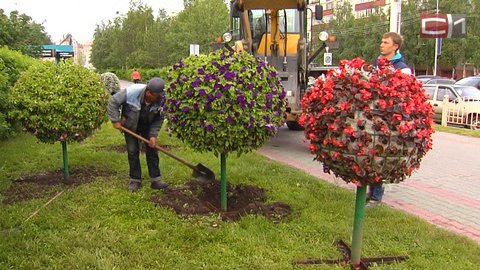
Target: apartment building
(361, 8)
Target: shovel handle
(159, 148)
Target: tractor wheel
(293, 125)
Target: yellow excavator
(276, 31)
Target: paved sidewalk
(445, 191)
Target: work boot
(158, 184)
(133, 186)
(372, 204)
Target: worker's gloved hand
(152, 142)
(117, 125)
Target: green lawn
(102, 226)
(458, 130)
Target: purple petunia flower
(229, 75)
(229, 119)
(255, 94)
(209, 127)
(202, 92)
(226, 87)
(240, 99)
(268, 104)
(189, 94)
(268, 96)
(270, 127)
(182, 124)
(173, 86)
(185, 109)
(178, 103)
(250, 86)
(267, 119)
(211, 97)
(218, 95)
(243, 69)
(201, 71)
(252, 103)
(195, 106)
(195, 83)
(221, 111)
(208, 105)
(217, 86)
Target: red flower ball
(368, 125)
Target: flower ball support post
(64, 102)
(224, 102)
(368, 126)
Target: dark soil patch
(203, 197)
(123, 148)
(48, 183)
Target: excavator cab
(275, 31)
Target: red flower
(361, 116)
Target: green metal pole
(223, 181)
(358, 225)
(66, 174)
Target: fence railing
(463, 111)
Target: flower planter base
(346, 251)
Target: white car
(464, 102)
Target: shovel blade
(203, 173)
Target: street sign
(63, 54)
(327, 59)
(194, 49)
(47, 53)
(443, 25)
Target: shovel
(200, 171)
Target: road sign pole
(436, 52)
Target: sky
(79, 18)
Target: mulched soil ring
(203, 197)
(123, 148)
(46, 184)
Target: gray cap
(156, 85)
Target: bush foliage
(12, 63)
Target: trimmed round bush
(111, 81)
(224, 102)
(64, 102)
(368, 126)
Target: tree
(19, 32)
(224, 102)
(191, 26)
(69, 110)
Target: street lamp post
(436, 52)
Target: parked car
(465, 102)
(430, 79)
(470, 81)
